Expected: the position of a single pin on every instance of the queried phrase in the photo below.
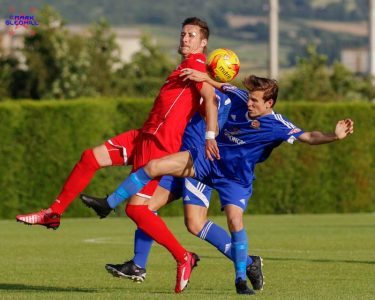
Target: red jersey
(175, 105)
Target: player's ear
(204, 43)
(269, 103)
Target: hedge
(41, 141)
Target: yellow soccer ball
(223, 65)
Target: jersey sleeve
(285, 130)
(234, 93)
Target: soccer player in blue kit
(196, 197)
(248, 137)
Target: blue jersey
(194, 135)
(192, 191)
(243, 142)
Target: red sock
(154, 226)
(77, 181)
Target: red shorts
(146, 149)
(136, 148)
(121, 147)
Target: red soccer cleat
(44, 217)
(184, 271)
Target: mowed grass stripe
(305, 257)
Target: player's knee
(235, 224)
(103, 156)
(152, 168)
(193, 226)
(88, 158)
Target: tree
(312, 80)
(56, 60)
(348, 86)
(6, 66)
(104, 58)
(62, 65)
(146, 72)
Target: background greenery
(41, 141)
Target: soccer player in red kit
(160, 135)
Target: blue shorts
(191, 190)
(231, 192)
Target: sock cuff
(203, 233)
(88, 156)
(239, 236)
(142, 175)
(132, 209)
(139, 178)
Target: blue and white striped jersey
(244, 142)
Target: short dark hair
(205, 31)
(269, 86)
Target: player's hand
(212, 151)
(344, 128)
(194, 75)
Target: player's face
(191, 40)
(256, 105)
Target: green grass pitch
(305, 257)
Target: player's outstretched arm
(199, 77)
(343, 129)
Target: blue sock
(218, 237)
(130, 186)
(239, 253)
(142, 247)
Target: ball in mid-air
(223, 65)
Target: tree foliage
(63, 65)
(7, 67)
(146, 72)
(103, 54)
(56, 61)
(312, 80)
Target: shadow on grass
(317, 260)
(24, 287)
(11, 287)
(352, 226)
(321, 260)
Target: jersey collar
(250, 119)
